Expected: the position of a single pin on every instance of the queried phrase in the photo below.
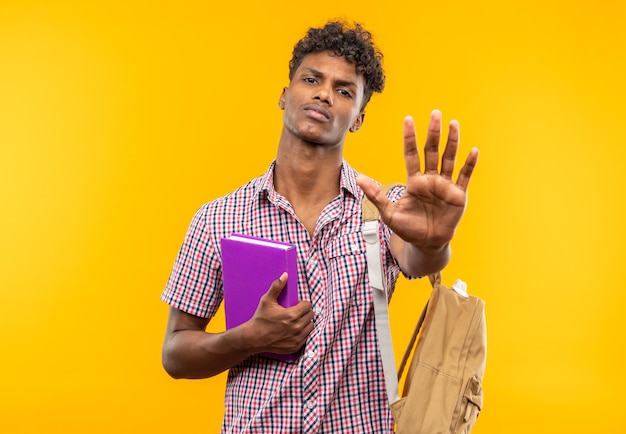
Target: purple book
(249, 266)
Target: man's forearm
(417, 260)
(198, 354)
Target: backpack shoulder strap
(371, 233)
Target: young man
(311, 197)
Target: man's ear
(281, 100)
(357, 122)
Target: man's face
(323, 100)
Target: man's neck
(307, 171)
(308, 177)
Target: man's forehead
(328, 63)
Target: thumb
(373, 192)
(277, 287)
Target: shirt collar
(347, 180)
(267, 180)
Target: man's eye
(310, 80)
(345, 93)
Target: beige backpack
(443, 388)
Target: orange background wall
(118, 119)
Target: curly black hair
(353, 43)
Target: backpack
(443, 387)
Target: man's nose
(324, 94)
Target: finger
(304, 320)
(468, 168)
(431, 148)
(411, 153)
(307, 330)
(307, 315)
(308, 323)
(277, 287)
(303, 309)
(373, 192)
(448, 160)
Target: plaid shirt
(337, 385)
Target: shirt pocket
(348, 267)
(351, 244)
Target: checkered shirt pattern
(337, 385)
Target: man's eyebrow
(346, 83)
(339, 82)
(314, 72)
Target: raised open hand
(430, 209)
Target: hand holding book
(283, 329)
(261, 291)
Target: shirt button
(318, 310)
(310, 354)
(355, 247)
(310, 405)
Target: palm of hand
(428, 211)
(432, 205)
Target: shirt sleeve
(195, 283)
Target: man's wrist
(239, 339)
(430, 250)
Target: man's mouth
(317, 112)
